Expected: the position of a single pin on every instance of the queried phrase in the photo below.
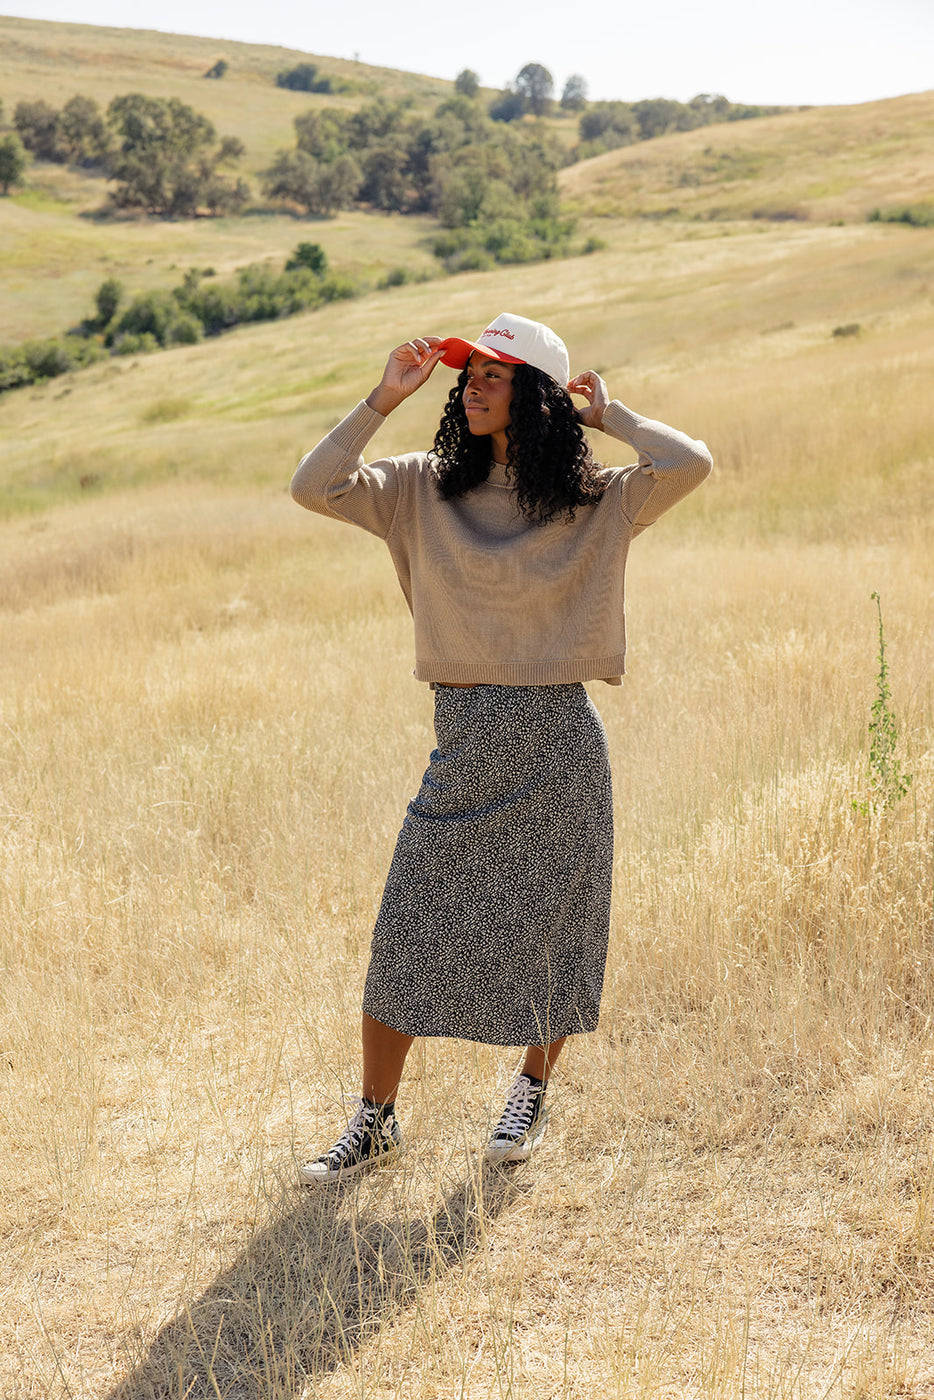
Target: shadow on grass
(310, 1287)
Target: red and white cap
(516, 341)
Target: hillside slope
(55, 248)
(40, 59)
(57, 239)
(824, 164)
(209, 734)
(709, 324)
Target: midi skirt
(495, 916)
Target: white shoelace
(363, 1119)
(520, 1105)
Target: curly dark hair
(548, 456)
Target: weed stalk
(887, 783)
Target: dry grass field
(208, 734)
(826, 163)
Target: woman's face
(487, 399)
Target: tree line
(488, 176)
(496, 184)
(161, 155)
(165, 158)
(603, 125)
(199, 306)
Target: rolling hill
(41, 59)
(823, 164)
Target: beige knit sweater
(497, 600)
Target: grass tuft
(166, 410)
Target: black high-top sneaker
(371, 1138)
(522, 1125)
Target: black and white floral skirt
(495, 916)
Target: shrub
(107, 299)
(38, 360)
(36, 125)
(185, 329)
(158, 320)
(14, 371)
(149, 314)
(47, 358)
(606, 125)
(461, 250)
(467, 83)
(508, 107)
(135, 344)
(13, 161)
(397, 277)
(310, 255)
(338, 288)
(472, 258)
(917, 215)
(216, 307)
(265, 295)
(479, 246)
(511, 241)
(303, 78)
(160, 315)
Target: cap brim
(457, 352)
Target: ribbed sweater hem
(604, 668)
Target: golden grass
(203, 774)
(824, 164)
(208, 733)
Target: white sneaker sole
(309, 1173)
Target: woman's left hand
(591, 387)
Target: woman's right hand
(407, 369)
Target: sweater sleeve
(670, 464)
(332, 479)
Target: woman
(510, 544)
